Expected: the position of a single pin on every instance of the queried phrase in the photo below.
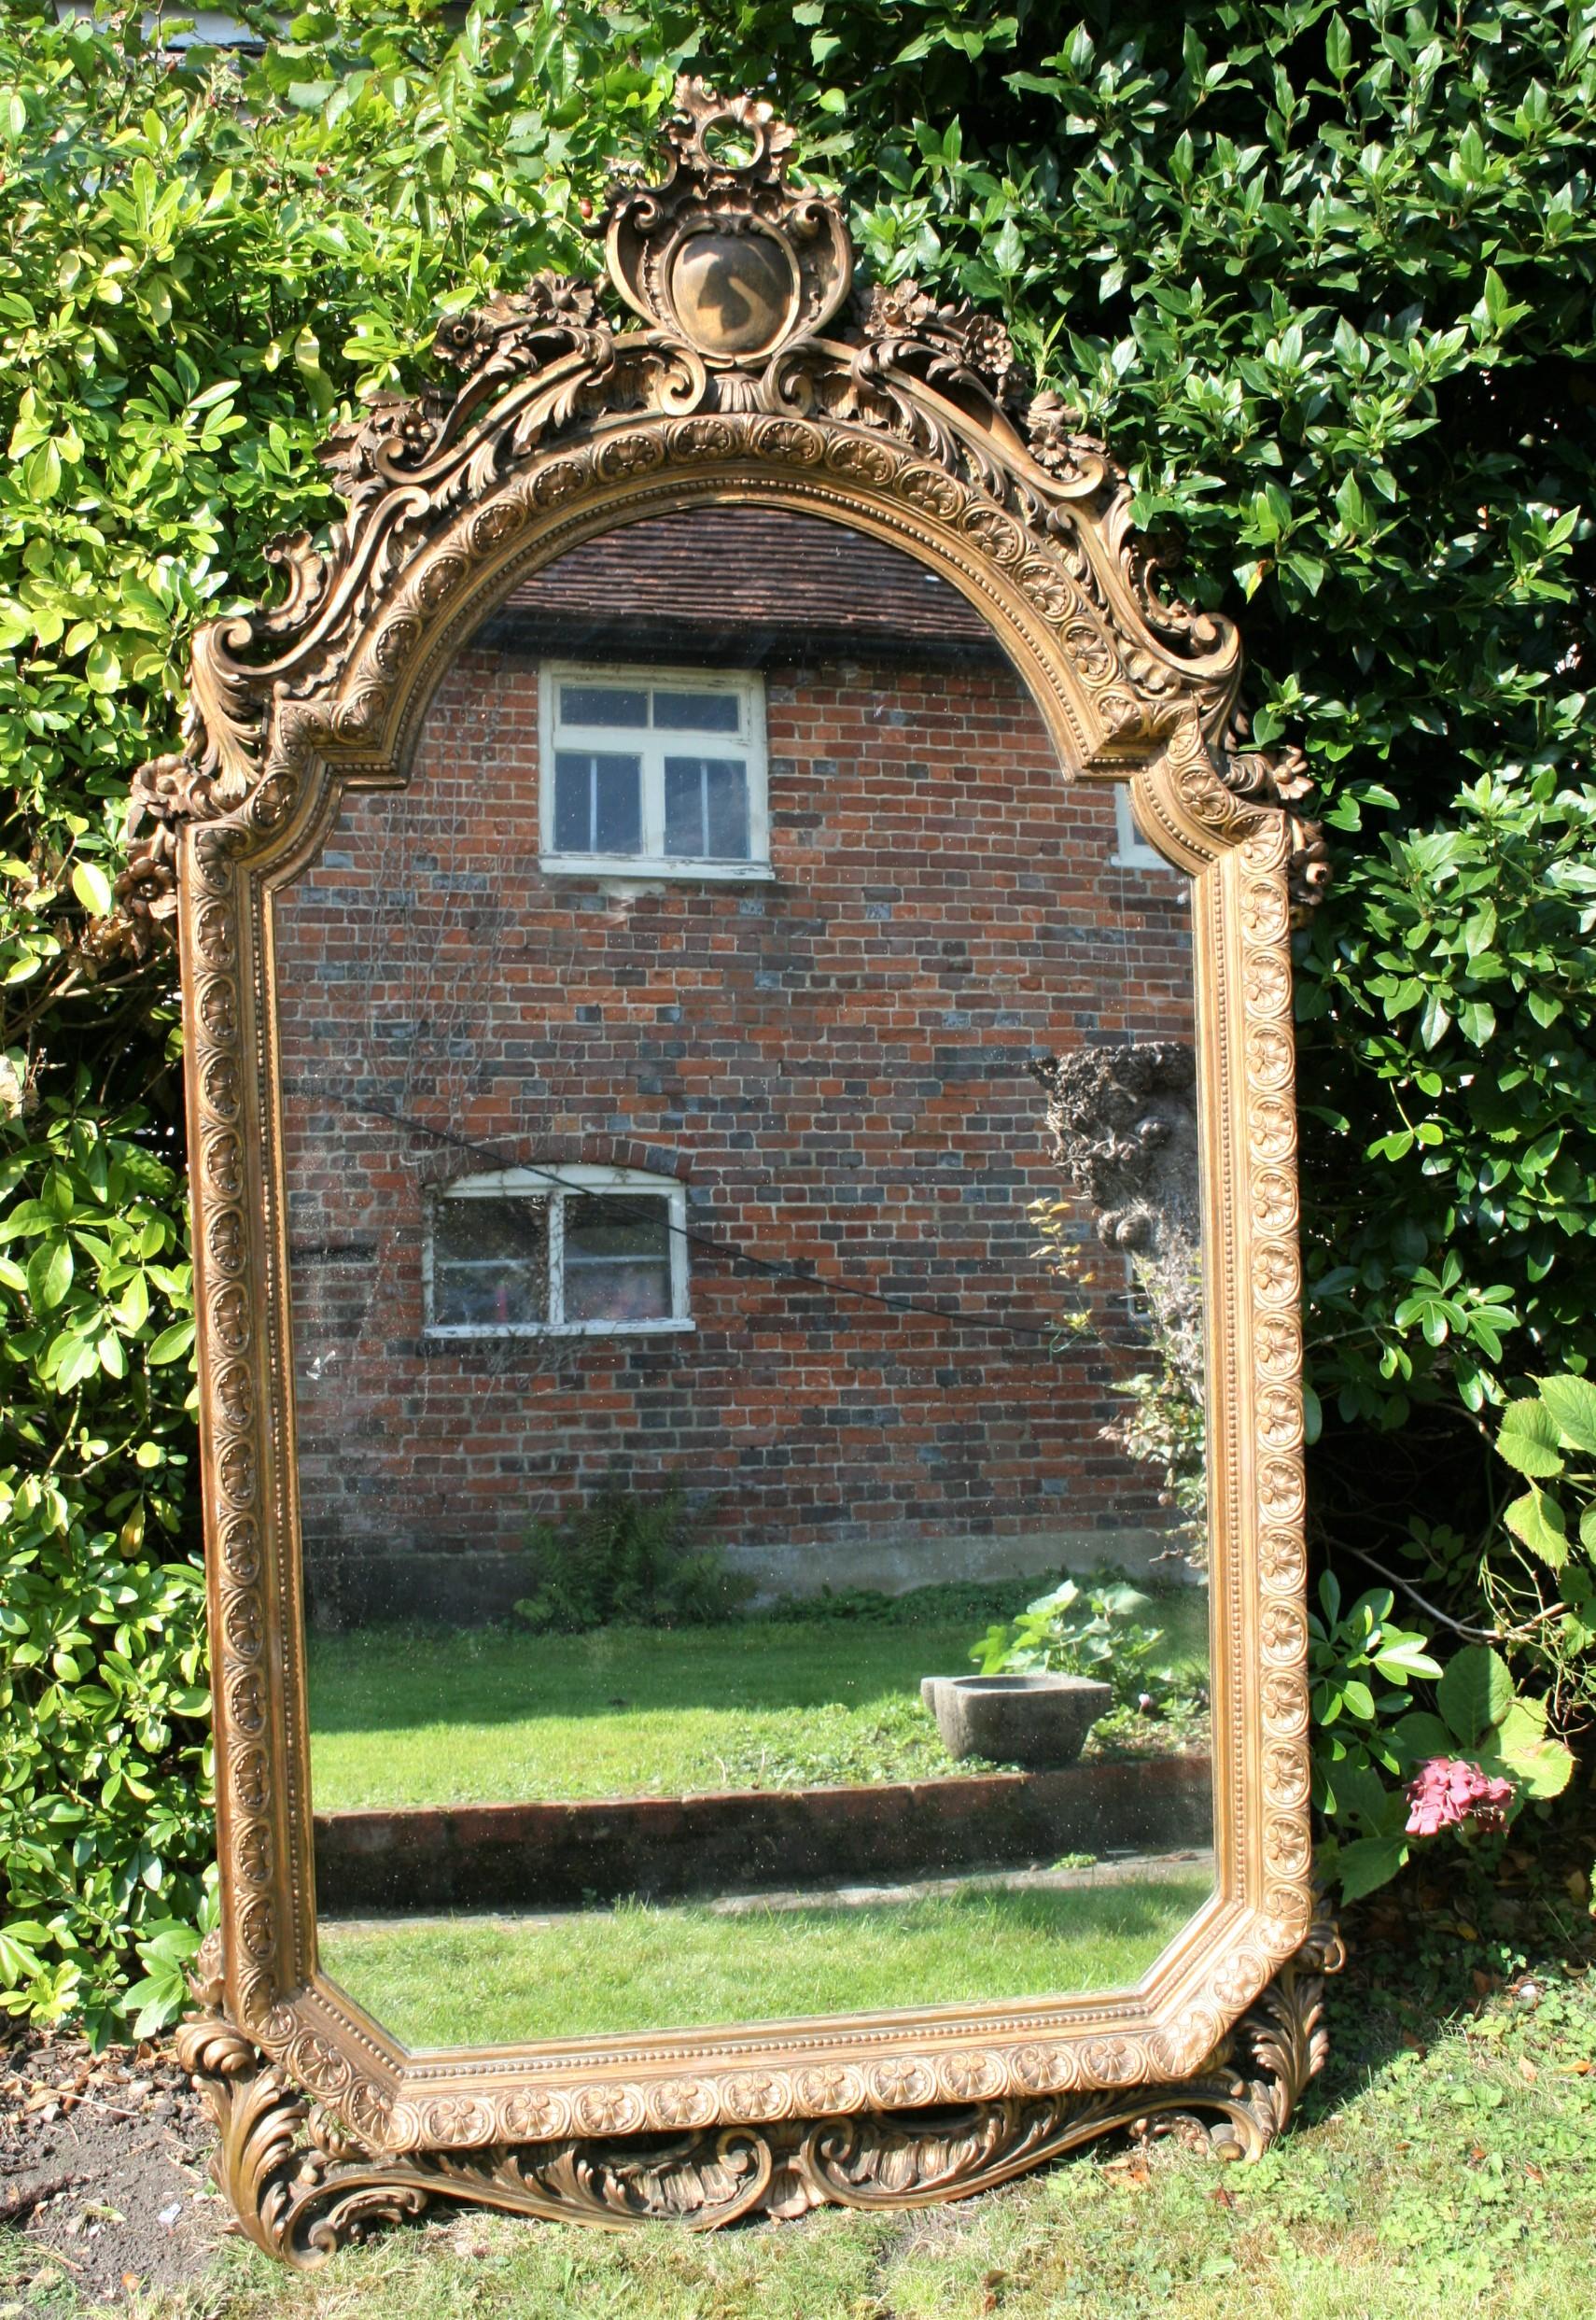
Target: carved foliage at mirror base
(301, 2189)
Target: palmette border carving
(300, 2188)
(910, 421)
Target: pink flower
(1448, 1789)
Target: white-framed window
(652, 772)
(541, 1252)
(1132, 851)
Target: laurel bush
(1321, 269)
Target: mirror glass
(741, 1162)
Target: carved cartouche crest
(724, 254)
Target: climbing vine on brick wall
(1324, 274)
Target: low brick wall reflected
(676, 1847)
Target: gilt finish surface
(752, 374)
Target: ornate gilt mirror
(737, 992)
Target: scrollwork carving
(303, 2185)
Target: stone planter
(1038, 1721)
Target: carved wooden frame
(911, 422)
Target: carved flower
(1264, 911)
(608, 2110)
(1279, 1416)
(1285, 1701)
(1266, 981)
(1280, 1558)
(1274, 1272)
(1111, 2061)
(1286, 1773)
(990, 351)
(246, 1700)
(756, 2094)
(530, 2116)
(1269, 1054)
(1279, 1341)
(218, 1007)
(1090, 651)
(251, 1786)
(1281, 1630)
(681, 2102)
(1274, 1200)
(1271, 1128)
(252, 1855)
(896, 310)
(827, 2088)
(790, 439)
(230, 1317)
(1285, 1847)
(317, 2063)
(1058, 441)
(1240, 1978)
(1039, 2067)
(257, 1928)
(402, 427)
(511, 330)
(628, 455)
(241, 1623)
(237, 1469)
(1280, 1489)
(456, 2120)
(902, 2083)
(968, 2076)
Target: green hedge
(1324, 275)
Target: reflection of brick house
(812, 1072)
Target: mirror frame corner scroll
(912, 421)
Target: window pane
(489, 1262)
(726, 808)
(697, 712)
(597, 804)
(474, 1229)
(612, 1225)
(707, 809)
(622, 1292)
(684, 806)
(617, 1258)
(618, 806)
(485, 1297)
(602, 705)
(573, 804)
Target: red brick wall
(833, 1063)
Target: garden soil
(103, 2168)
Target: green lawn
(484, 1716)
(491, 1980)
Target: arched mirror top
(750, 369)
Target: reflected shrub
(629, 1560)
(1073, 1631)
